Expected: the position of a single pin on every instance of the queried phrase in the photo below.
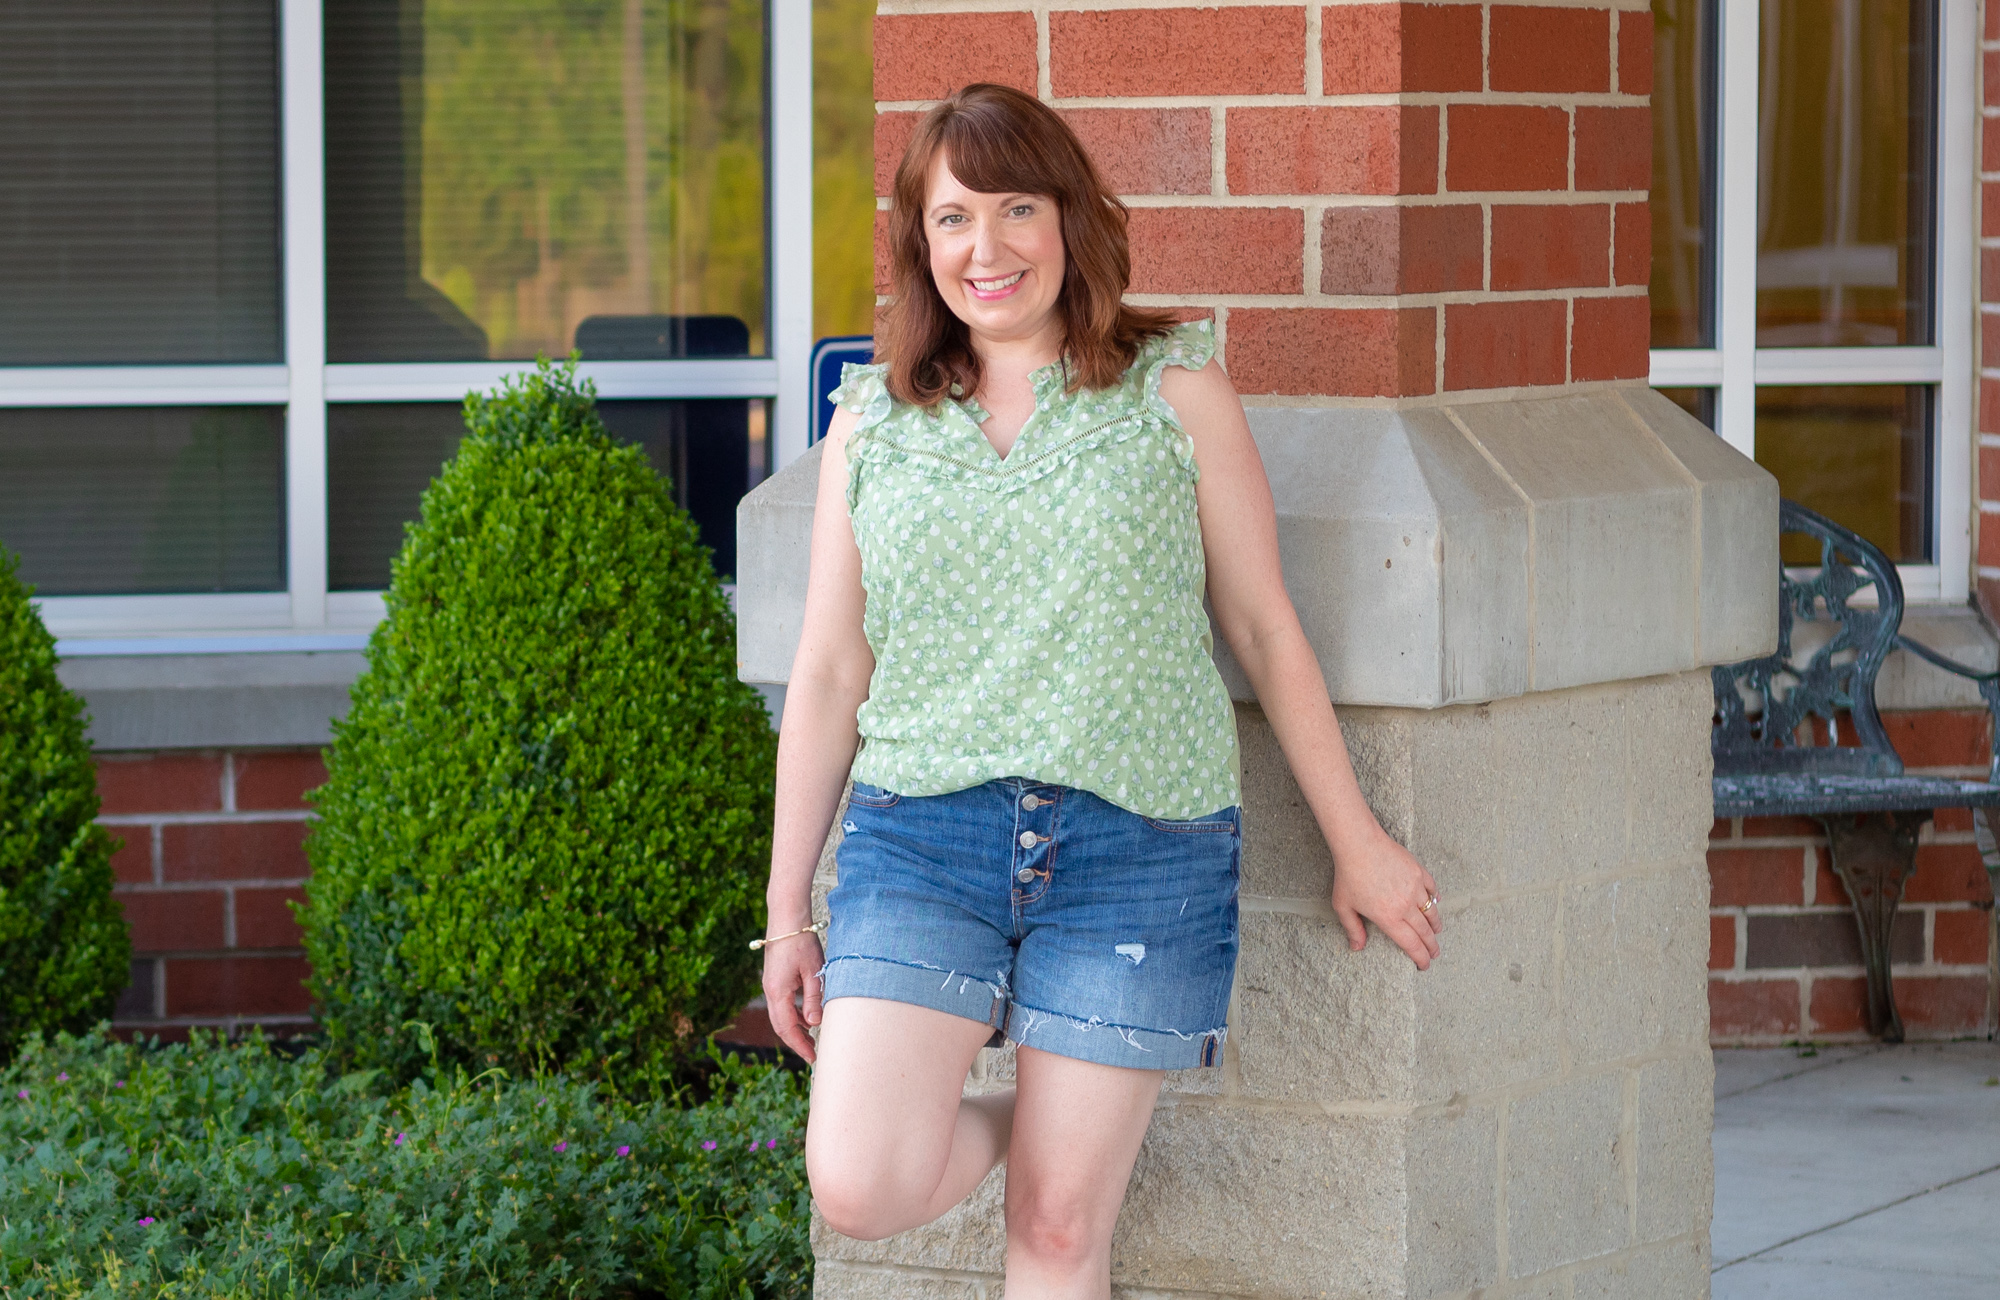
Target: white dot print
(1000, 593)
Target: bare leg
(891, 1144)
(1077, 1128)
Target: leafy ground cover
(237, 1170)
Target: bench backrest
(1761, 705)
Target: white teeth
(994, 286)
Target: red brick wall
(1784, 959)
(212, 856)
(1372, 200)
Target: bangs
(991, 153)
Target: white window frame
(1736, 365)
(306, 616)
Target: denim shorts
(1066, 923)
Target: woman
(1019, 512)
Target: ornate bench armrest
(1989, 690)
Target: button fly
(1032, 802)
(1027, 839)
(1025, 874)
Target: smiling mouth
(995, 286)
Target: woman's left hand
(1382, 882)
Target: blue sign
(829, 355)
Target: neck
(1018, 355)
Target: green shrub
(64, 954)
(546, 819)
(234, 1171)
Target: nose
(986, 244)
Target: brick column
(1423, 235)
(1374, 201)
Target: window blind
(139, 205)
(102, 501)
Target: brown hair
(1001, 141)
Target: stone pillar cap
(1447, 554)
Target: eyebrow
(954, 204)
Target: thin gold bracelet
(817, 927)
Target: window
(255, 252)
(1812, 249)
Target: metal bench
(1771, 760)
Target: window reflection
(1844, 173)
(1683, 201)
(1861, 455)
(1698, 402)
(843, 167)
(380, 458)
(513, 177)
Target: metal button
(1031, 802)
(1027, 839)
(1025, 874)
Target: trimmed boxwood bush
(546, 820)
(210, 1170)
(64, 954)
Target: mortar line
(1044, 89)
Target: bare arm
(1374, 877)
(816, 744)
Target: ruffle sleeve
(1189, 345)
(865, 391)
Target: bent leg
(1077, 1128)
(890, 1142)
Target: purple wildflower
(62, 1078)
(117, 1083)
(772, 1145)
(399, 1138)
(146, 1222)
(22, 1094)
(706, 1146)
(561, 1147)
(624, 1151)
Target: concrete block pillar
(1421, 231)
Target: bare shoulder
(1204, 400)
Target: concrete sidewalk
(1859, 1173)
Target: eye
(1021, 210)
(951, 219)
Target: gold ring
(1428, 906)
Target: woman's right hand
(791, 974)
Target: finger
(778, 1008)
(1422, 929)
(1433, 916)
(1357, 933)
(1414, 946)
(814, 992)
(785, 1023)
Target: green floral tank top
(1040, 615)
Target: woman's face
(997, 258)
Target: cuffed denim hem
(1109, 1044)
(958, 993)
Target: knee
(855, 1202)
(1057, 1233)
